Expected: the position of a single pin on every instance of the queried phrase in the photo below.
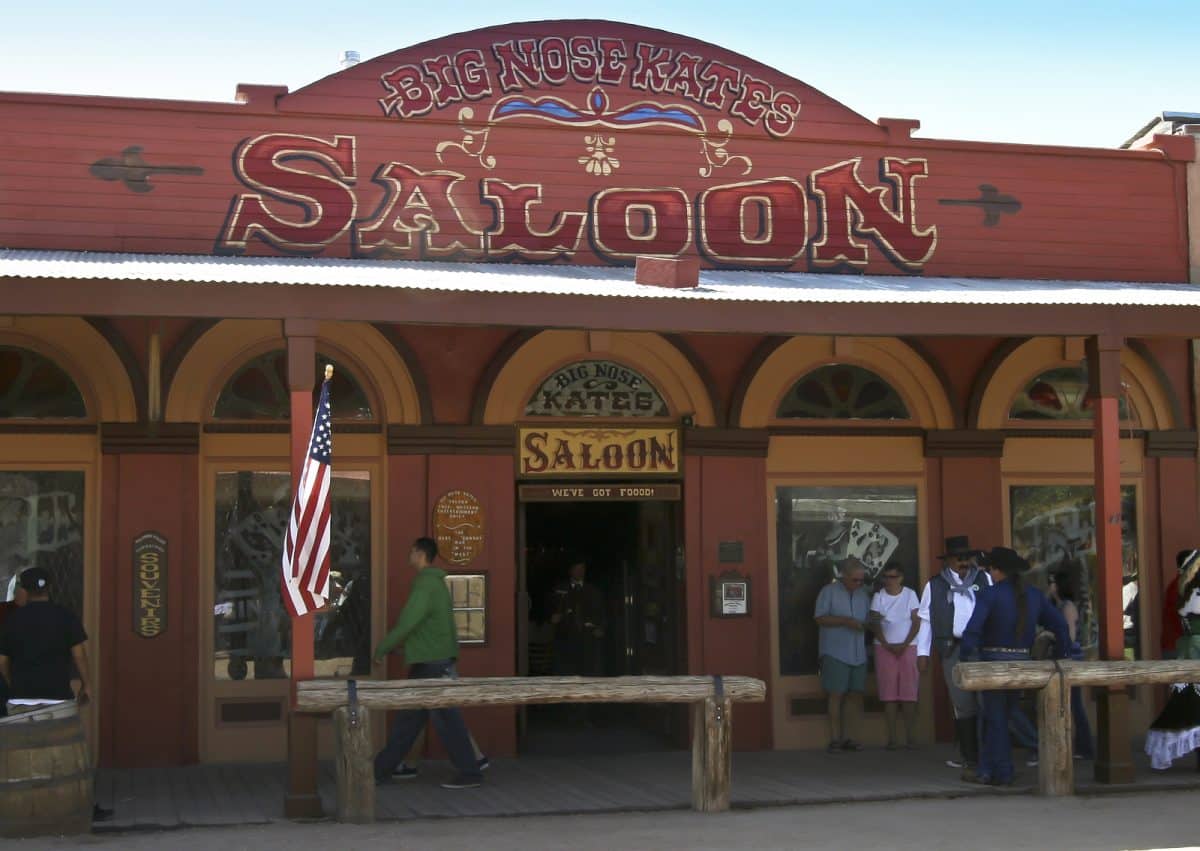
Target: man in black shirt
(41, 646)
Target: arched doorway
(59, 380)
(233, 382)
(845, 477)
(599, 472)
(1038, 394)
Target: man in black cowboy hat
(947, 603)
(1002, 629)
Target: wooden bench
(350, 700)
(1054, 680)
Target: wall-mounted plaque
(597, 452)
(730, 595)
(468, 601)
(458, 527)
(149, 584)
(730, 552)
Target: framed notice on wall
(730, 595)
(468, 601)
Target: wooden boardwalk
(160, 798)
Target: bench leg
(1056, 768)
(712, 755)
(355, 762)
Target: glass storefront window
(41, 525)
(818, 527)
(840, 391)
(252, 635)
(1054, 527)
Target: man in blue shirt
(841, 614)
(1002, 628)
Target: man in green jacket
(426, 630)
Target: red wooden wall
(350, 164)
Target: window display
(819, 527)
(1054, 527)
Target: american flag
(306, 550)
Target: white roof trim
(599, 281)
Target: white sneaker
(957, 762)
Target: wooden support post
(1056, 767)
(1114, 763)
(301, 798)
(712, 757)
(355, 765)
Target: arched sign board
(597, 388)
(149, 584)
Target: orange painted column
(1114, 758)
(302, 799)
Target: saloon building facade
(589, 290)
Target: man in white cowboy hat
(947, 603)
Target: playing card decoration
(871, 543)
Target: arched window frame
(325, 353)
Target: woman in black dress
(1176, 731)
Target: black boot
(969, 740)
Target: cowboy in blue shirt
(1002, 629)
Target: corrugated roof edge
(597, 281)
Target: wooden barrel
(45, 774)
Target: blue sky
(1054, 71)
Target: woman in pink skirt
(895, 623)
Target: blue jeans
(1025, 732)
(999, 710)
(995, 755)
(449, 724)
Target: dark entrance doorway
(634, 568)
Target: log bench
(712, 699)
(1053, 681)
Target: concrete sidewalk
(1156, 820)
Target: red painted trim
(1108, 527)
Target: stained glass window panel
(34, 387)
(1059, 394)
(258, 391)
(840, 391)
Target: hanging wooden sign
(458, 527)
(149, 584)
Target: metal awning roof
(593, 281)
(40, 283)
